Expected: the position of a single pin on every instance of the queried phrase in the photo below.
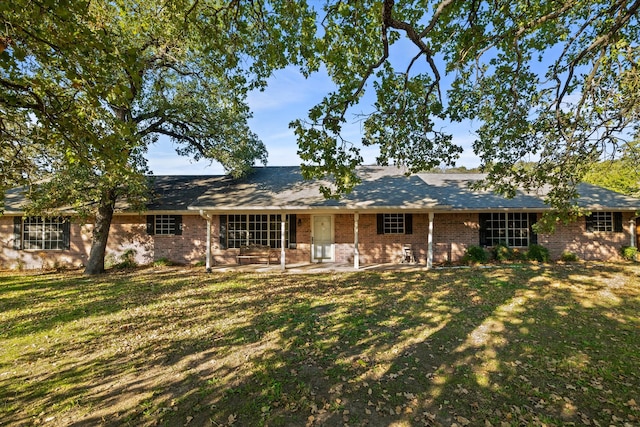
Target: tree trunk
(100, 235)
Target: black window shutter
(66, 233)
(178, 223)
(223, 232)
(380, 221)
(617, 222)
(533, 236)
(482, 221)
(589, 223)
(292, 231)
(17, 233)
(151, 224)
(408, 223)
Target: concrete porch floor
(316, 268)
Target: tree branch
(39, 103)
(434, 19)
(620, 21)
(390, 22)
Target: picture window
(44, 233)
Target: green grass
(533, 345)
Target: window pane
(237, 231)
(394, 223)
(165, 224)
(511, 229)
(255, 229)
(602, 221)
(46, 234)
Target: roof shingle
(282, 188)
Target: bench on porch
(257, 253)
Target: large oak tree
(88, 85)
(555, 83)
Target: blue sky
(288, 96)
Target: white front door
(322, 238)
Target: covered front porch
(314, 239)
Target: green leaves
(551, 84)
(620, 174)
(91, 85)
(102, 78)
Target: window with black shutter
(604, 222)
(164, 225)
(513, 229)
(394, 223)
(41, 233)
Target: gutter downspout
(208, 253)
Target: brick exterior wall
(11, 258)
(587, 245)
(127, 233)
(453, 233)
(382, 248)
(188, 248)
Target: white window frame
(39, 233)
(394, 223)
(510, 228)
(164, 225)
(258, 229)
(602, 222)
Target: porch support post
(430, 242)
(208, 250)
(282, 241)
(356, 250)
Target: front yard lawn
(517, 345)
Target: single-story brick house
(209, 218)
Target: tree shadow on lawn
(43, 302)
(517, 345)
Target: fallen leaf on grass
(463, 421)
